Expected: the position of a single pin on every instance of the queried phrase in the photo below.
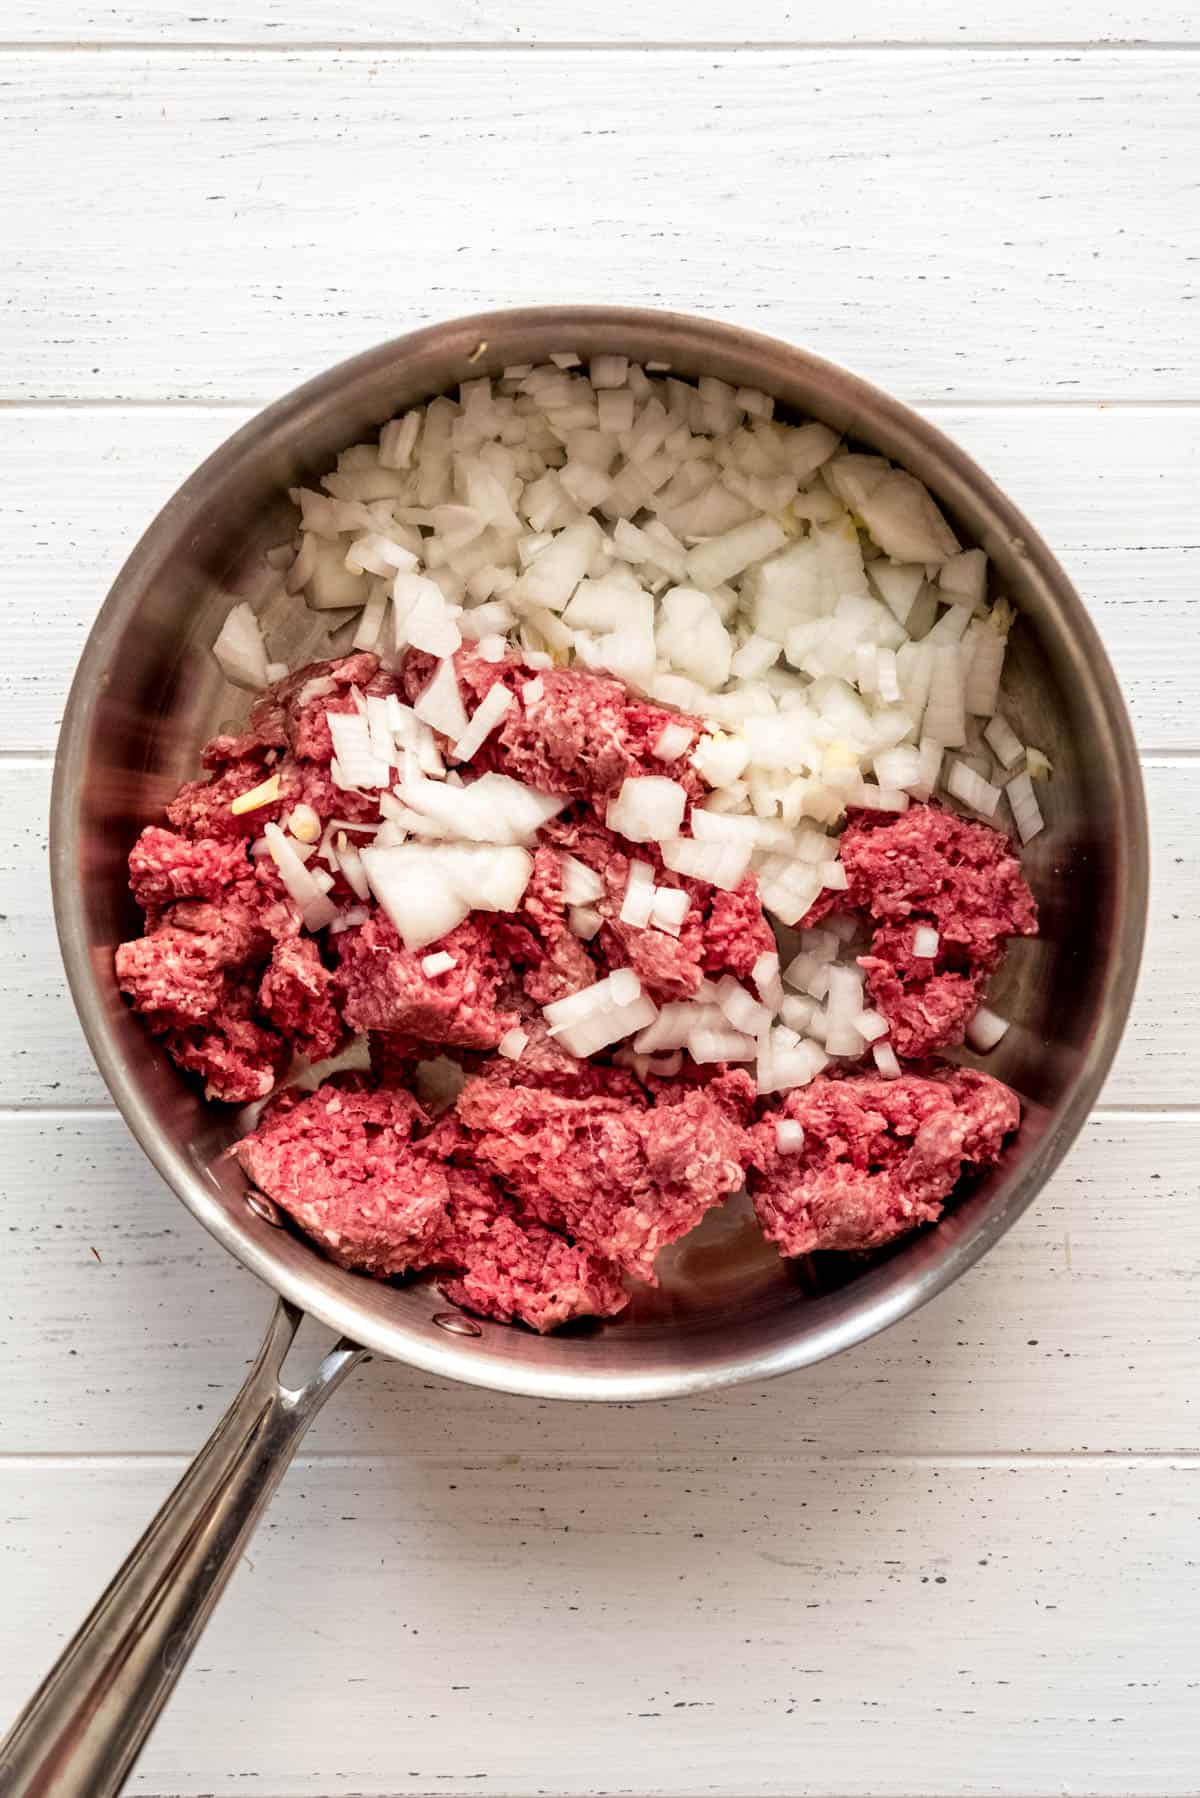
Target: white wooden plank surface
(743, 1594)
(1113, 489)
(1091, 1303)
(49, 1063)
(275, 22)
(1028, 215)
(717, 1623)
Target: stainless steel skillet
(146, 696)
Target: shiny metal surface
(84, 1727)
(147, 694)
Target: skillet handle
(86, 1724)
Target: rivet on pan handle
(81, 1732)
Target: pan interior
(148, 694)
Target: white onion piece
(797, 1012)
(768, 982)
(899, 767)
(669, 909)
(729, 554)
(439, 963)
(926, 942)
(350, 866)
(513, 1043)
(782, 1069)
(370, 622)
(844, 1005)
(964, 577)
(554, 574)
(608, 371)
(376, 554)
(985, 647)
(427, 890)
(1003, 740)
(440, 705)
(744, 1012)
(583, 921)
(789, 1136)
(720, 760)
(648, 809)
(986, 1029)
(904, 520)
(1027, 813)
(493, 809)
(884, 1057)
(871, 1025)
(357, 762)
(673, 741)
(945, 717)
(721, 865)
(422, 617)
(240, 651)
(638, 902)
(675, 1023)
(581, 885)
(315, 909)
(722, 1043)
(486, 716)
(350, 919)
(963, 784)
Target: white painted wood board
(707, 1623)
(966, 225)
(279, 23)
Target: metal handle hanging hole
(455, 1324)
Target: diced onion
(239, 649)
(316, 909)
(513, 1043)
(789, 1136)
(581, 885)
(440, 705)
(638, 902)
(439, 963)
(767, 980)
(925, 942)
(884, 1057)
(1003, 740)
(1027, 813)
(986, 1029)
(669, 909)
(485, 718)
(673, 741)
(584, 922)
(648, 809)
(971, 789)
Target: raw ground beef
(382, 985)
(341, 1162)
(930, 867)
(514, 1271)
(614, 1175)
(879, 1158)
(535, 1187)
(297, 994)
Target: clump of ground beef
(546, 1183)
(929, 867)
(879, 1157)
